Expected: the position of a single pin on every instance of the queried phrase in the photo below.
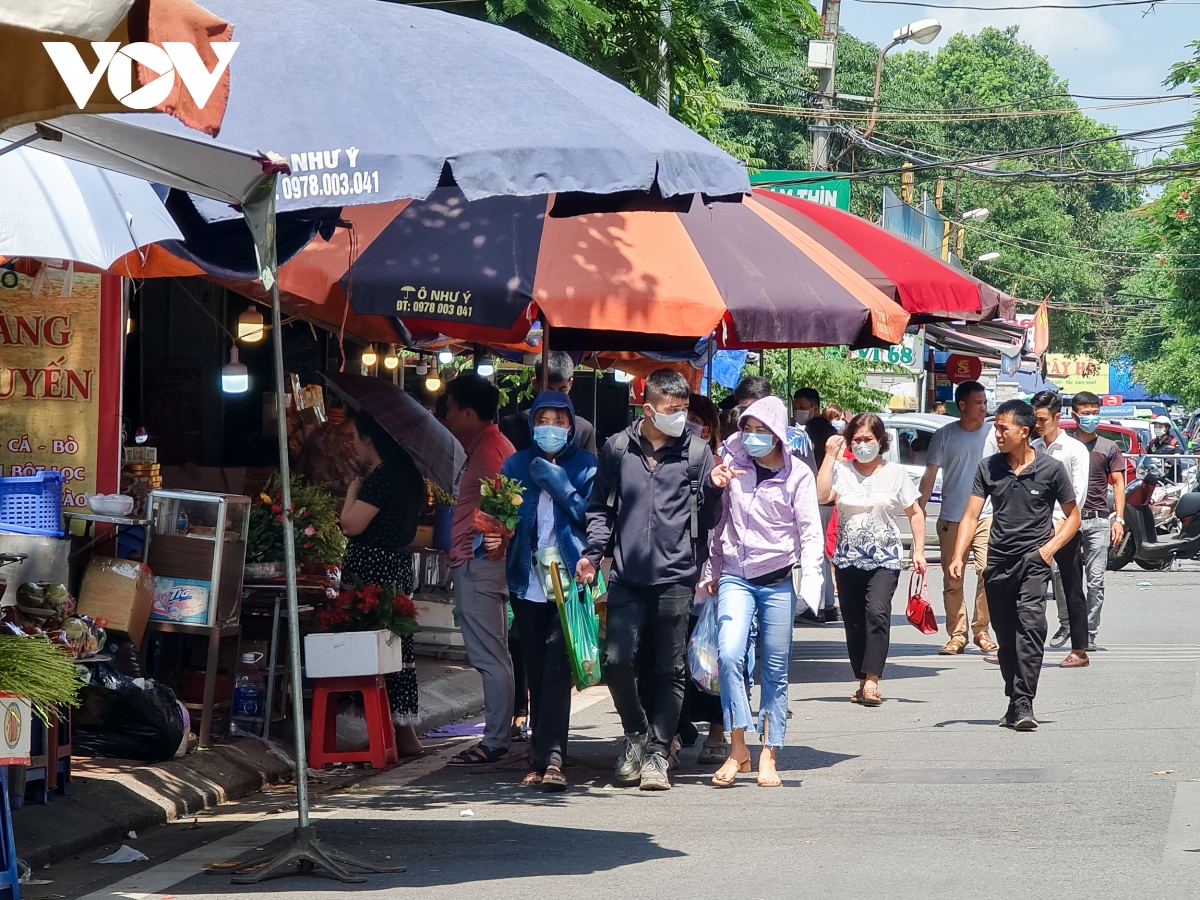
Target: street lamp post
(922, 31)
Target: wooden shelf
(229, 629)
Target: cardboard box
(351, 654)
(119, 590)
(16, 725)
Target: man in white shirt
(1047, 406)
(957, 449)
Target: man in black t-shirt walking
(1023, 485)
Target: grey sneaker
(631, 759)
(1091, 647)
(1010, 718)
(654, 773)
(1061, 636)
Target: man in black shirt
(1023, 485)
(561, 378)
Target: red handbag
(919, 612)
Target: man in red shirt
(480, 585)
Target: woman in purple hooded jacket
(770, 524)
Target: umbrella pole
(789, 376)
(305, 849)
(545, 353)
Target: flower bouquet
(499, 503)
(315, 524)
(369, 607)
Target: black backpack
(695, 459)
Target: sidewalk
(110, 798)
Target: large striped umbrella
(920, 282)
(481, 270)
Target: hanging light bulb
(622, 377)
(445, 357)
(141, 436)
(433, 383)
(391, 360)
(369, 356)
(250, 329)
(235, 377)
(422, 368)
(484, 366)
(129, 324)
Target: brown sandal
(871, 698)
(718, 781)
(554, 780)
(533, 779)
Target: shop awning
(990, 341)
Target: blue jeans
(737, 602)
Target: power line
(1148, 3)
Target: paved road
(922, 798)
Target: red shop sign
(961, 368)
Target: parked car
(909, 435)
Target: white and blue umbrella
(56, 208)
(371, 101)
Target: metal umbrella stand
(305, 850)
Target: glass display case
(197, 549)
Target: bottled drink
(249, 694)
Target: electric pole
(664, 73)
(820, 127)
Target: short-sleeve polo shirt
(1023, 504)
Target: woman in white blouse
(870, 494)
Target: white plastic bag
(703, 650)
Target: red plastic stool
(322, 746)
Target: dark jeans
(866, 598)
(545, 652)
(649, 621)
(520, 677)
(1069, 562)
(1016, 592)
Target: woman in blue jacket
(557, 474)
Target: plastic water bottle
(249, 694)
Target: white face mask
(864, 453)
(670, 424)
(802, 416)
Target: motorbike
(1143, 543)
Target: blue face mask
(758, 445)
(1089, 423)
(550, 438)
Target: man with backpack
(652, 499)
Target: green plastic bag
(581, 626)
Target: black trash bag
(118, 719)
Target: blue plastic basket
(32, 504)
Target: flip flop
(533, 779)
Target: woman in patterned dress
(870, 494)
(380, 519)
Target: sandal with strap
(554, 781)
(479, 755)
(533, 779)
(871, 698)
(718, 781)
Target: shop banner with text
(60, 376)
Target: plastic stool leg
(317, 742)
(389, 730)
(379, 723)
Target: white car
(908, 439)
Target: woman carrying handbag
(769, 524)
(870, 494)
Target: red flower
(279, 518)
(1183, 195)
(404, 606)
(369, 599)
(1182, 213)
(276, 508)
(308, 545)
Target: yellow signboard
(50, 380)
(1077, 373)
